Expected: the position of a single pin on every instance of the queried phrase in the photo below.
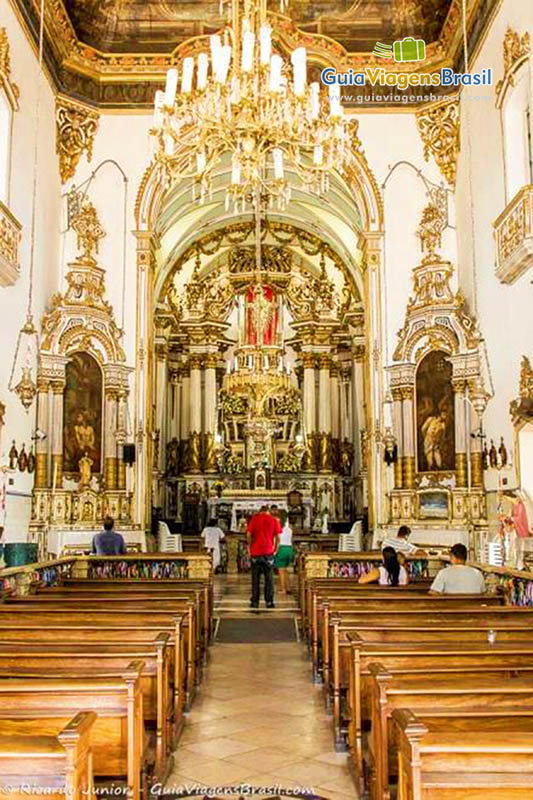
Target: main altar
(260, 403)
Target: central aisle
(259, 719)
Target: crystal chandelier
(243, 101)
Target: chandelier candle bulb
(277, 156)
(235, 172)
(169, 144)
(318, 154)
(215, 44)
(235, 91)
(299, 66)
(158, 106)
(203, 66)
(170, 87)
(265, 41)
(187, 75)
(248, 44)
(223, 62)
(315, 100)
(276, 64)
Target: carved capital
(76, 127)
(324, 361)
(210, 361)
(308, 360)
(195, 361)
(359, 352)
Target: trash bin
(18, 554)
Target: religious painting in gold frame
(435, 414)
(82, 413)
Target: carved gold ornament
(439, 127)
(89, 231)
(515, 50)
(5, 69)
(76, 127)
(522, 408)
(10, 235)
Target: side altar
(82, 396)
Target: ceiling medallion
(76, 127)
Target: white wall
(388, 139)
(24, 72)
(504, 312)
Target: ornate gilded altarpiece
(81, 403)
(438, 397)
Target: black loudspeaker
(128, 454)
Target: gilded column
(122, 427)
(57, 434)
(210, 410)
(397, 421)
(476, 455)
(147, 243)
(110, 443)
(335, 414)
(195, 412)
(408, 461)
(185, 395)
(41, 445)
(459, 388)
(161, 393)
(324, 412)
(357, 405)
(309, 408)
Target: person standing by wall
(263, 537)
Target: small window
(6, 113)
(517, 135)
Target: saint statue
(84, 434)
(434, 432)
(85, 463)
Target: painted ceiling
(153, 26)
(115, 53)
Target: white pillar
(57, 434)
(210, 410)
(324, 412)
(335, 401)
(309, 393)
(161, 394)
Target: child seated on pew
(391, 573)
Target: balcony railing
(514, 237)
(10, 233)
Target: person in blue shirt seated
(108, 542)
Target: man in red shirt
(263, 537)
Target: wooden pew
(472, 764)
(410, 658)
(49, 767)
(164, 589)
(444, 691)
(176, 623)
(45, 706)
(378, 627)
(104, 660)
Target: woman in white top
(391, 573)
(284, 556)
(212, 536)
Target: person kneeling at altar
(108, 542)
(390, 573)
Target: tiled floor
(259, 720)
